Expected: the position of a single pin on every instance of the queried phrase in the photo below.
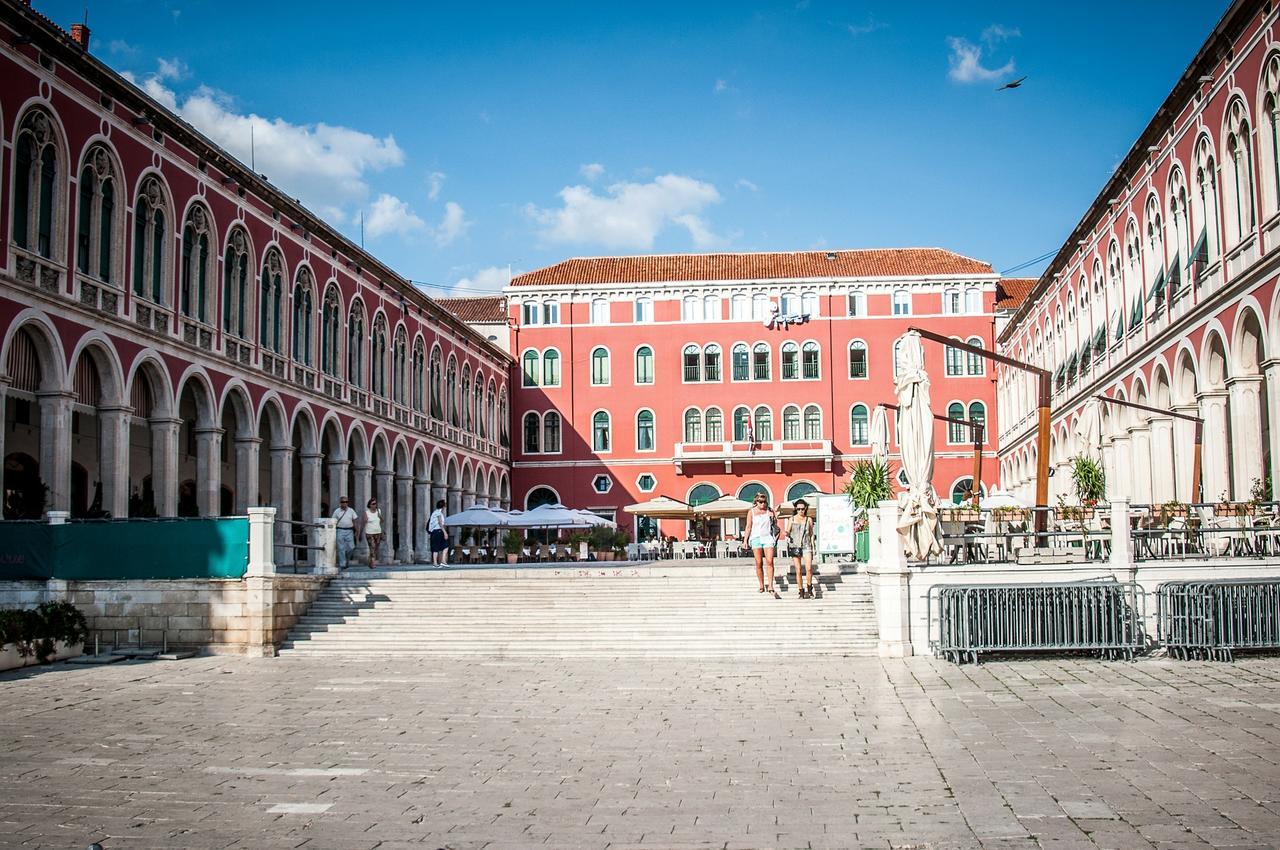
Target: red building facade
(693, 376)
(177, 336)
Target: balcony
(763, 451)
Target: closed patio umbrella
(1089, 430)
(879, 436)
(918, 521)
(998, 498)
(662, 507)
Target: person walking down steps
(373, 529)
(800, 544)
(762, 528)
(346, 519)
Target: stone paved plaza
(267, 753)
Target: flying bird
(1012, 85)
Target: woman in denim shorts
(761, 526)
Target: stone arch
(1249, 405)
(36, 439)
(199, 446)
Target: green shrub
(34, 631)
(513, 542)
(602, 538)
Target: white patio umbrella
(998, 498)
(879, 436)
(546, 516)
(725, 506)
(662, 507)
(788, 507)
(918, 521)
(1089, 430)
(478, 517)
(589, 519)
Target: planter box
(862, 546)
(1232, 509)
(961, 515)
(1075, 514)
(11, 659)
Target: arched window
(741, 423)
(644, 310)
(1239, 149)
(302, 313)
(551, 368)
(978, 415)
(482, 420)
(599, 311)
(955, 362)
(760, 307)
(858, 430)
(711, 308)
(355, 343)
(790, 422)
(810, 357)
(551, 433)
(600, 367)
(809, 304)
(1269, 118)
(529, 368)
(96, 216)
(399, 356)
(644, 431)
(193, 292)
(741, 362)
(715, 425)
(790, 361)
(763, 420)
(799, 490)
(1178, 245)
(465, 411)
(540, 496)
(451, 392)
(149, 238)
(492, 409)
(901, 302)
(35, 186)
(235, 285)
(693, 425)
(601, 439)
(419, 376)
(691, 309)
(711, 362)
(1205, 214)
(503, 437)
(760, 361)
(270, 295)
(692, 363)
(329, 332)
(962, 491)
(437, 383)
(748, 492)
(857, 359)
(702, 494)
(532, 433)
(976, 364)
(378, 358)
(897, 358)
(956, 433)
(644, 365)
(812, 422)
(790, 305)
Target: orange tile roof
(485, 309)
(658, 268)
(1012, 291)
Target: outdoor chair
(544, 552)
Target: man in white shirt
(347, 519)
(439, 539)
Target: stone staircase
(704, 610)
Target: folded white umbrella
(919, 525)
(477, 517)
(879, 436)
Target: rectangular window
(857, 304)
(551, 313)
(858, 361)
(644, 310)
(790, 363)
(955, 362)
(599, 312)
(809, 362)
(692, 365)
(790, 304)
(532, 313)
(760, 364)
(711, 364)
(739, 308)
(902, 303)
(809, 304)
(644, 366)
(973, 301)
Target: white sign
(835, 525)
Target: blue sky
(475, 137)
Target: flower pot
(862, 546)
(961, 515)
(512, 558)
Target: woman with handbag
(761, 525)
(800, 544)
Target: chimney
(80, 35)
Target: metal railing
(1103, 617)
(1214, 619)
(1175, 531)
(997, 536)
(299, 531)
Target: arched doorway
(703, 529)
(33, 425)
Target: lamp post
(1199, 440)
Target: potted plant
(870, 483)
(621, 540)
(1090, 481)
(601, 539)
(965, 511)
(513, 545)
(1168, 510)
(1011, 514)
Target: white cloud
(172, 69)
(324, 165)
(996, 33)
(486, 281)
(720, 86)
(744, 183)
(966, 63)
(629, 215)
(120, 47)
(871, 25)
(454, 224)
(435, 182)
(591, 171)
(389, 214)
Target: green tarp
(141, 549)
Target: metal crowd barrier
(1104, 617)
(1213, 619)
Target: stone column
(208, 470)
(890, 579)
(259, 587)
(1184, 440)
(1245, 393)
(1140, 446)
(1121, 539)
(422, 510)
(4, 401)
(282, 501)
(55, 447)
(164, 464)
(311, 462)
(1121, 486)
(454, 504)
(338, 470)
(362, 483)
(1162, 459)
(404, 518)
(1271, 373)
(113, 458)
(1214, 462)
(384, 480)
(247, 456)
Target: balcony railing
(743, 451)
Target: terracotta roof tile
(1012, 291)
(797, 265)
(486, 309)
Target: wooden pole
(1042, 452)
(1195, 462)
(978, 439)
(1195, 457)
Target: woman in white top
(373, 528)
(761, 525)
